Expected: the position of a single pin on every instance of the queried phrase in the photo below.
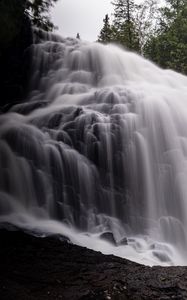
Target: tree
(123, 11)
(106, 32)
(13, 14)
(168, 47)
(124, 26)
(38, 11)
(145, 15)
(11, 17)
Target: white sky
(83, 16)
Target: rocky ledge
(34, 268)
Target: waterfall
(100, 145)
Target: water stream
(100, 145)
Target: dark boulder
(109, 237)
(123, 242)
(59, 237)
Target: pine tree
(38, 11)
(168, 47)
(124, 26)
(123, 10)
(106, 32)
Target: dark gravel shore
(46, 268)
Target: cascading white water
(100, 145)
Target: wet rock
(59, 237)
(109, 237)
(7, 226)
(45, 268)
(163, 257)
(28, 107)
(123, 242)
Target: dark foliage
(16, 20)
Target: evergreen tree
(159, 34)
(14, 12)
(168, 47)
(124, 26)
(123, 11)
(106, 32)
(11, 18)
(38, 10)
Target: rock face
(45, 268)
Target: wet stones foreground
(45, 268)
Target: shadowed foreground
(36, 268)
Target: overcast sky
(83, 16)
